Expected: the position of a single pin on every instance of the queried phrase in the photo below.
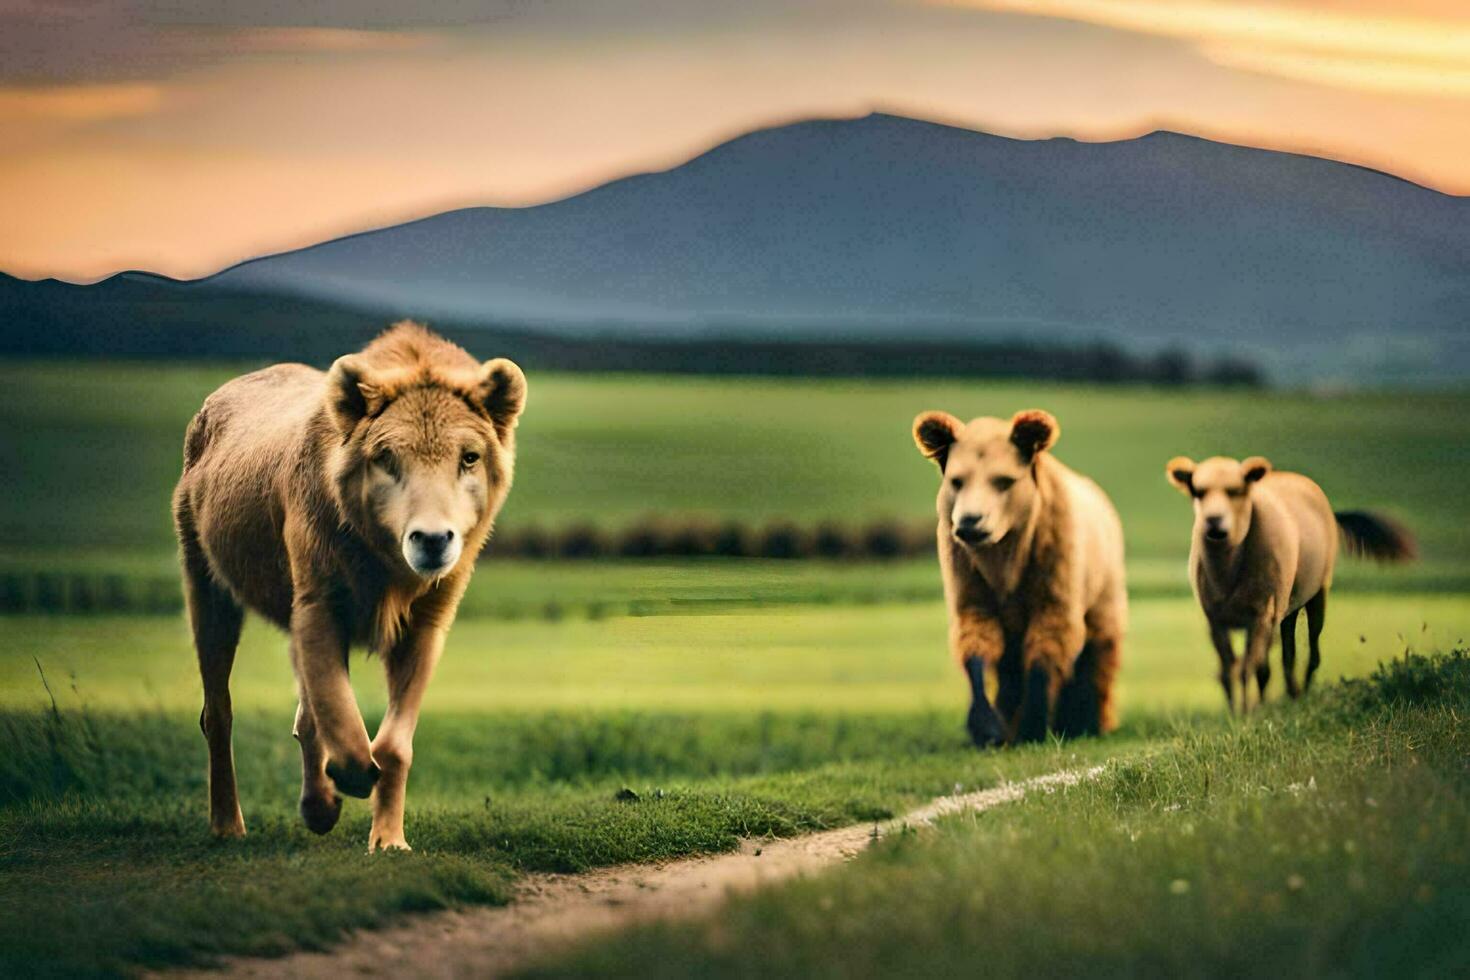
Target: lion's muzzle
(431, 552)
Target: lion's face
(988, 488)
(1221, 490)
(989, 480)
(426, 462)
(431, 471)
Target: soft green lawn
(823, 658)
(93, 449)
(1330, 839)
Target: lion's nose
(431, 543)
(968, 529)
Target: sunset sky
(180, 136)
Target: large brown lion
(347, 508)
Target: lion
(347, 508)
(1263, 549)
(1032, 559)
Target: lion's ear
(1255, 468)
(351, 397)
(502, 393)
(934, 433)
(1034, 431)
(1180, 471)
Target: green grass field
(819, 658)
(755, 722)
(739, 697)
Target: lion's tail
(1370, 535)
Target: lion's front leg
(977, 640)
(409, 667)
(1053, 637)
(320, 805)
(319, 647)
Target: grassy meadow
(99, 445)
(737, 697)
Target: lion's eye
(384, 460)
(957, 483)
(1003, 483)
(469, 459)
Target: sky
(182, 136)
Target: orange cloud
(1346, 71)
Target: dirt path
(553, 910)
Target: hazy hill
(887, 226)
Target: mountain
(889, 228)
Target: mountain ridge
(1154, 134)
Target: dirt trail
(553, 910)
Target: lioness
(346, 508)
(1263, 549)
(1032, 558)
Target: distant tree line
(45, 591)
(148, 317)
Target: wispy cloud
(93, 101)
(1316, 43)
(1369, 74)
(269, 40)
(51, 44)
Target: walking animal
(1032, 559)
(346, 508)
(1264, 547)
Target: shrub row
(693, 538)
(82, 592)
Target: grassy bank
(1323, 840)
(104, 809)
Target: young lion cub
(1264, 547)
